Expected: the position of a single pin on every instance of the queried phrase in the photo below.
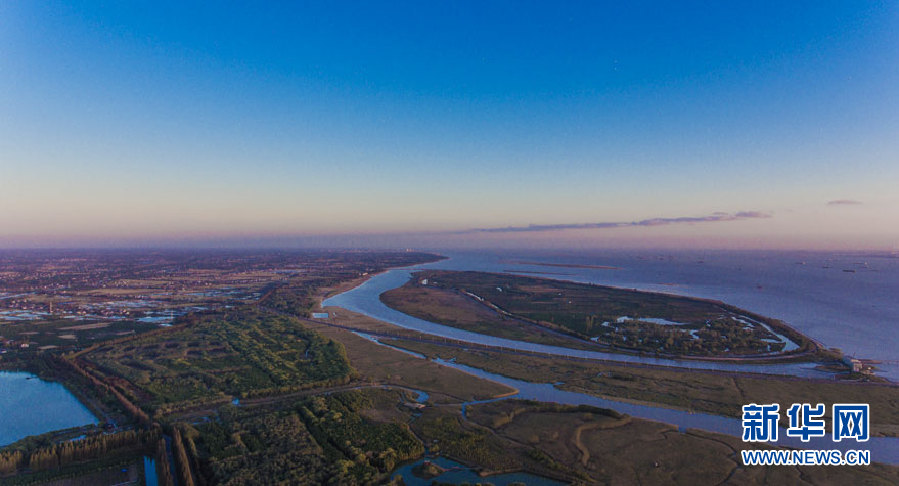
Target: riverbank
(694, 394)
(455, 427)
(365, 299)
(586, 316)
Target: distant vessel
(848, 270)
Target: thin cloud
(712, 218)
(843, 202)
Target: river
(364, 299)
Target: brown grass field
(384, 365)
(717, 393)
(456, 310)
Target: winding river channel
(364, 299)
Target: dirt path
(585, 453)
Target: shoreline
(795, 356)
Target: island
(578, 315)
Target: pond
(31, 406)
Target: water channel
(364, 299)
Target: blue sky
(397, 123)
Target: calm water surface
(364, 299)
(882, 449)
(30, 406)
(844, 300)
(856, 310)
(150, 478)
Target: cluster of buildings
(8, 344)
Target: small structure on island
(854, 365)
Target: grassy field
(236, 353)
(496, 438)
(503, 305)
(457, 310)
(603, 448)
(721, 394)
(380, 364)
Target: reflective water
(857, 311)
(150, 478)
(882, 449)
(663, 277)
(365, 300)
(31, 406)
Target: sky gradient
(410, 124)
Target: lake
(31, 406)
